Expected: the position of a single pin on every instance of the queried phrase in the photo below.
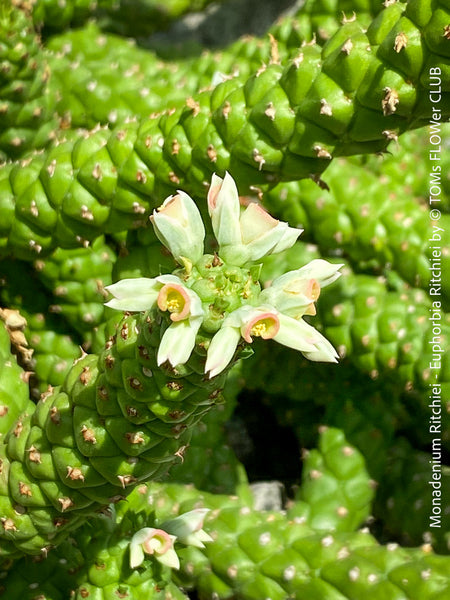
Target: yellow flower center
(158, 542)
(175, 302)
(266, 327)
(174, 298)
(260, 328)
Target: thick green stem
(285, 123)
(119, 419)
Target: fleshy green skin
(118, 419)
(52, 15)
(210, 464)
(140, 255)
(104, 546)
(402, 507)
(116, 187)
(128, 17)
(258, 555)
(380, 326)
(276, 126)
(93, 565)
(409, 164)
(336, 492)
(89, 94)
(27, 117)
(319, 19)
(137, 82)
(280, 559)
(51, 346)
(342, 398)
(374, 421)
(385, 332)
(77, 280)
(369, 214)
(254, 554)
(14, 397)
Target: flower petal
(158, 542)
(169, 559)
(136, 555)
(301, 336)
(178, 342)
(136, 551)
(163, 279)
(290, 236)
(224, 210)
(187, 296)
(188, 528)
(179, 226)
(260, 323)
(133, 294)
(263, 235)
(296, 334)
(256, 222)
(321, 270)
(325, 352)
(221, 350)
(186, 523)
(292, 304)
(202, 536)
(125, 288)
(196, 539)
(174, 298)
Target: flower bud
(188, 528)
(246, 236)
(179, 226)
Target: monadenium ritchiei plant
(216, 299)
(125, 415)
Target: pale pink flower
(268, 323)
(246, 236)
(179, 226)
(155, 542)
(170, 294)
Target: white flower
(186, 312)
(248, 236)
(134, 294)
(224, 210)
(156, 542)
(321, 270)
(297, 334)
(221, 349)
(188, 528)
(179, 226)
(170, 294)
(268, 323)
(295, 292)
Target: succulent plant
(368, 214)
(123, 416)
(46, 346)
(226, 547)
(137, 18)
(13, 379)
(283, 123)
(27, 110)
(126, 405)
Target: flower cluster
(243, 236)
